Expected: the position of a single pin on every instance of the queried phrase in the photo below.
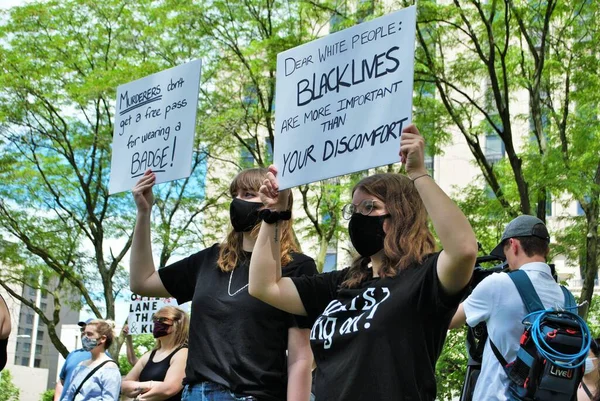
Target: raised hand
(269, 192)
(412, 151)
(142, 192)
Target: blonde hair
(104, 328)
(231, 250)
(181, 325)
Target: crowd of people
(262, 317)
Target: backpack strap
(526, 290)
(90, 375)
(570, 302)
(529, 297)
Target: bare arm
(58, 389)
(131, 357)
(143, 277)
(130, 386)
(300, 360)
(456, 261)
(459, 319)
(5, 325)
(161, 390)
(265, 281)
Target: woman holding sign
(158, 374)
(237, 344)
(380, 324)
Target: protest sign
(155, 121)
(141, 310)
(342, 100)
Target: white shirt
(497, 302)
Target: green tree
(507, 50)
(8, 391)
(61, 231)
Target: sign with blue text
(342, 100)
(155, 121)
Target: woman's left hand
(269, 192)
(412, 151)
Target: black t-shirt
(236, 341)
(381, 340)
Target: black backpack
(553, 348)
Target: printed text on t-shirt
(326, 325)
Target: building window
(38, 349)
(25, 361)
(29, 319)
(37, 363)
(246, 157)
(43, 306)
(269, 151)
(28, 332)
(548, 205)
(429, 162)
(26, 347)
(494, 148)
(32, 291)
(40, 335)
(330, 262)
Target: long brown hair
(181, 325)
(231, 250)
(408, 239)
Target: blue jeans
(209, 391)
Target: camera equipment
(476, 336)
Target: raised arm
(300, 360)
(456, 261)
(265, 281)
(131, 357)
(143, 277)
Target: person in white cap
(496, 301)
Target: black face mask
(244, 214)
(366, 233)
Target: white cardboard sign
(155, 121)
(342, 100)
(141, 310)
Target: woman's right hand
(269, 192)
(142, 192)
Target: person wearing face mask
(158, 374)
(237, 344)
(98, 378)
(379, 325)
(589, 388)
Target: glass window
(494, 148)
(26, 347)
(38, 349)
(40, 335)
(37, 363)
(330, 262)
(246, 157)
(28, 332)
(25, 361)
(29, 319)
